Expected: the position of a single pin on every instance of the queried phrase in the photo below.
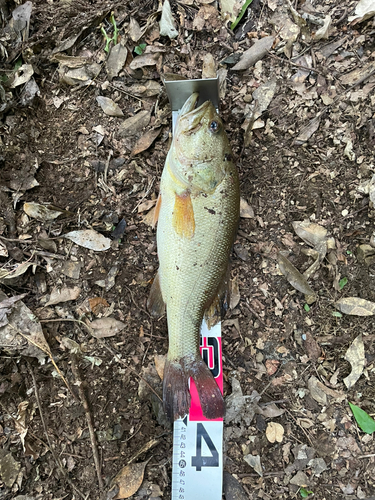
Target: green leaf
(343, 282)
(306, 307)
(305, 493)
(363, 419)
(241, 14)
(139, 49)
(336, 314)
(349, 252)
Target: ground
(304, 152)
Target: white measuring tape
(197, 464)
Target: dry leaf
(316, 391)
(3, 250)
(6, 307)
(308, 130)
(145, 141)
(364, 10)
(355, 306)
(129, 480)
(311, 233)
(246, 210)
(6, 275)
(270, 410)
(97, 304)
(167, 25)
(356, 357)
(63, 294)
(295, 278)
(255, 53)
(254, 462)
(160, 360)
(235, 295)
(134, 124)
(274, 432)
(135, 31)
(116, 60)
(22, 75)
(106, 327)
(145, 60)
(42, 212)
(209, 66)
(109, 107)
(146, 205)
(88, 238)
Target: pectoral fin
(183, 216)
(155, 302)
(216, 310)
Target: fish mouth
(191, 116)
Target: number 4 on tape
(197, 469)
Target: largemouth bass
(197, 213)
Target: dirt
(95, 178)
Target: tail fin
(176, 395)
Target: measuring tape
(197, 464)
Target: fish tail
(176, 394)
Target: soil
(273, 341)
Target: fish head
(200, 147)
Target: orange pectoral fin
(156, 212)
(183, 216)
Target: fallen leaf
(22, 75)
(97, 304)
(270, 410)
(3, 250)
(167, 25)
(255, 53)
(135, 31)
(23, 325)
(106, 327)
(356, 357)
(233, 489)
(316, 391)
(235, 295)
(323, 32)
(311, 233)
(160, 360)
(6, 307)
(274, 432)
(147, 205)
(295, 278)
(307, 131)
(131, 126)
(145, 60)
(42, 213)
(88, 238)
(364, 421)
(238, 406)
(128, 480)
(109, 107)
(355, 306)
(208, 66)
(254, 462)
(246, 210)
(230, 9)
(63, 294)
(145, 141)
(7, 275)
(116, 60)
(364, 10)
(9, 468)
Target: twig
(255, 313)
(89, 421)
(56, 458)
(110, 154)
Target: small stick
(89, 421)
(56, 458)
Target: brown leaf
(159, 364)
(106, 327)
(355, 306)
(295, 278)
(145, 141)
(129, 480)
(63, 294)
(246, 210)
(254, 53)
(235, 294)
(134, 124)
(356, 357)
(97, 304)
(274, 432)
(145, 60)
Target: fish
(197, 215)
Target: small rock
(366, 254)
(233, 489)
(317, 465)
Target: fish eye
(214, 126)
